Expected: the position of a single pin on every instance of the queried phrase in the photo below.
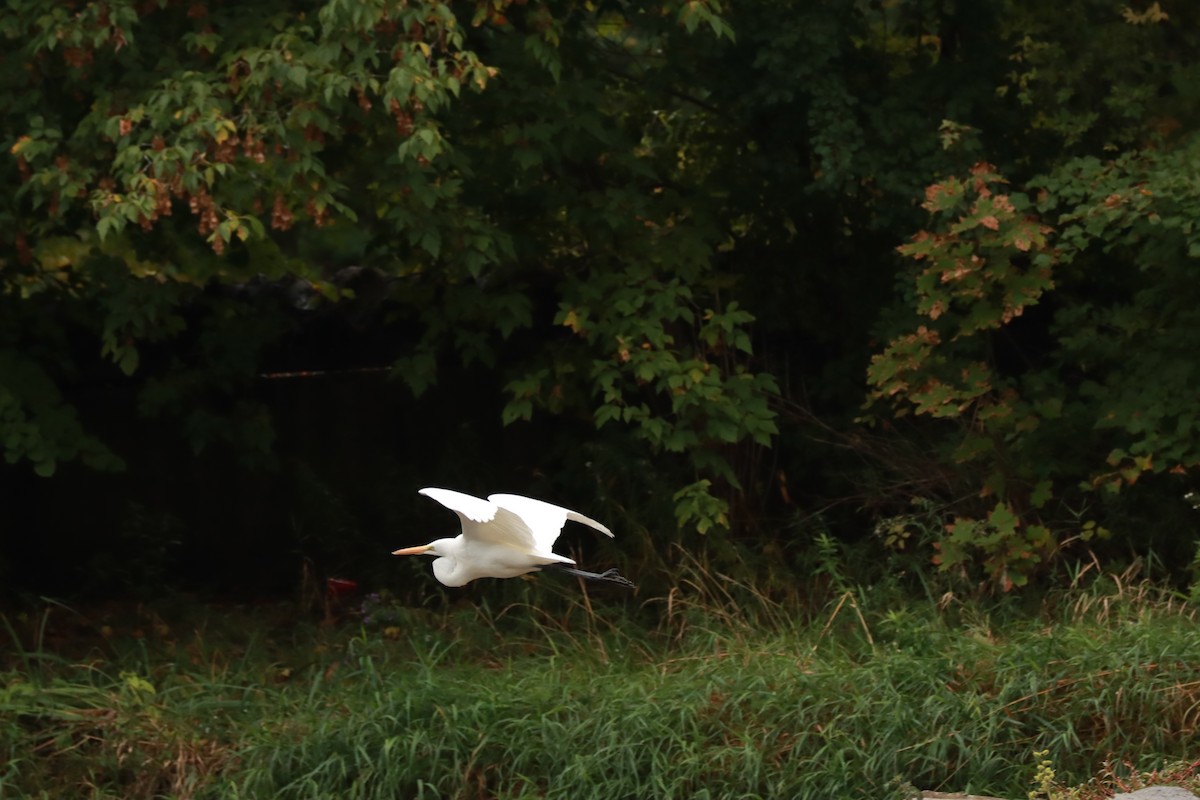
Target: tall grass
(687, 697)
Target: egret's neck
(449, 572)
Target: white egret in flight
(502, 537)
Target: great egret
(502, 537)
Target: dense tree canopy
(755, 271)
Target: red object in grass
(340, 587)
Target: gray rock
(1157, 793)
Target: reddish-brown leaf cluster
(314, 134)
(78, 57)
(1002, 203)
(253, 147)
(202, 204)
(404, 120)
(281, 216)
(319, 214)
(24, 254)
(162, 200)
(226, 151)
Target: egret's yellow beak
(413, 551)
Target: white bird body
(502, 537)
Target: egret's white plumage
(502, 537)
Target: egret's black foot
(609, 576)
(614, 576)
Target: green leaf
(1041, 493)
(431, 241)
(127, 361)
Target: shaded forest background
(913, 278)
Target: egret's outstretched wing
(544, 520)
(468, 507)
(485, 521)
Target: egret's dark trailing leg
(609, 576)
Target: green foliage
(601, 189)
(37, 424)
(1044, 784)
(1055, 316)
(667, 228)
(592, 703)
(695, 504)
(264, 119)
(1113, 368)
(680, 377)
(147, 172)
(1081, 80)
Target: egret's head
(446, 567)
(440, 547)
